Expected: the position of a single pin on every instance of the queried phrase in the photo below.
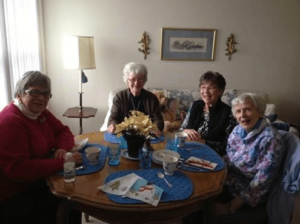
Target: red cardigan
(25, 146)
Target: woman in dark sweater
(210, 120)
(135, 97)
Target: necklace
(134, 105)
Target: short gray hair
(32, 78)
(134, 68)
(258, 102)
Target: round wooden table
(84, 196)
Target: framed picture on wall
(188, 44)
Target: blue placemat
(201, 151)
(115, 139)
(90, 168)
(182, 185)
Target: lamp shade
(79, 52)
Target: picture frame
(184, 44)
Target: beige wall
(267, 32)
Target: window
(20, 48)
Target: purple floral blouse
(253, 160)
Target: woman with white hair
(254, 154)
(135, 97)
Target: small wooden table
(84, 195)
(74, 112)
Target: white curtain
(20, 45)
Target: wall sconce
(79, 54)
(230, 43)
(145, 41)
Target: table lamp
(79, 54)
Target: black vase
(134, 143)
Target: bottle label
(69, 167)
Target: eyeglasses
(208, 88)
(136, 80)
(37, 93)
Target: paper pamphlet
(134, 186)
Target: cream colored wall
(267, 32)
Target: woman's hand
(156, 132)
(77, 157)
(192, 134)
(59, 153)
(167, 124)
(111, 128)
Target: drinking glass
(171, 143)
(113, 154)
(145, 154)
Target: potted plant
(135, 130)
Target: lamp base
(80, 102)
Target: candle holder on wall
(230, 43)
(145, 41)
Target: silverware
(161, 175)
(191, 148)
(80, 168)
(194, 166)
(191, 166)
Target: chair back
(281, 200)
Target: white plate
(158, 155)
(124, 153)
(79, 144)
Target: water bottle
(69, 168)
(145, 155)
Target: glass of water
(113, 154)
(171, 143)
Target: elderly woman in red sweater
(29, 135)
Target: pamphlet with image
(134, 186)
(145, 191)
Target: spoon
(80, 168)
(191, 148)
(161, 175)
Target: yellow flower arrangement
(137, 124)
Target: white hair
(258, 102)
(134, 68)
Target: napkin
(193, 161)
(134, 186)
